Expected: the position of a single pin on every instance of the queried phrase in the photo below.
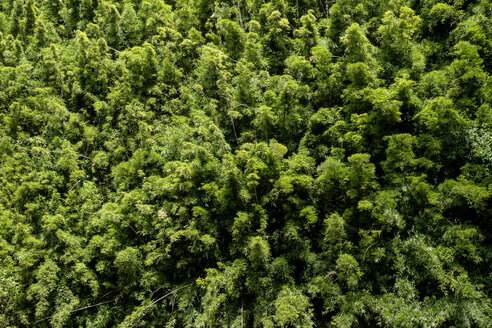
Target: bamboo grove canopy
(243, 163)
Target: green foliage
(245, 163)
(291, 309)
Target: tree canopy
(245, 163)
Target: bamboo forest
(246, 163)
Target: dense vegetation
(189, 163)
